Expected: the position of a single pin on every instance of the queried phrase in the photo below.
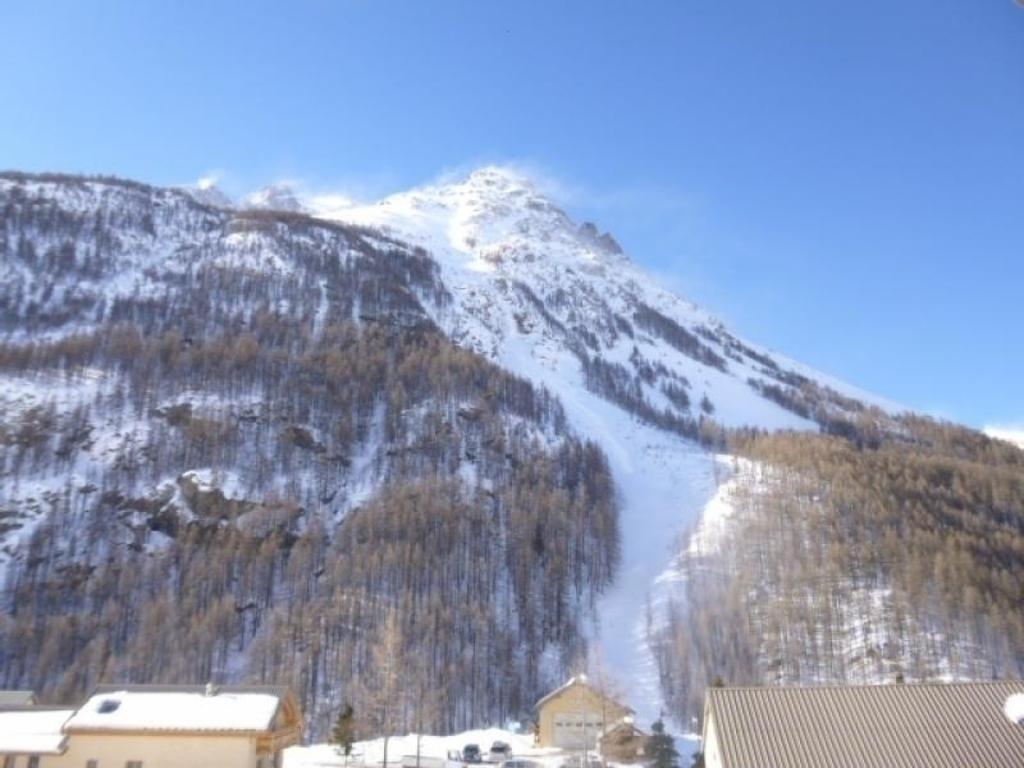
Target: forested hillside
(889, 555)
(255, 445)
(234, 443)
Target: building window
(92, 764)
(9, 761)
(33, 761)
(109, 705)
(133, 764)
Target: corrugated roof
(940, 725)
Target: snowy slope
(494, 232)
(1014, 435)
(173, 367)
(277, 197)
(638, 370)
(539, 294)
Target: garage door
(576, 730)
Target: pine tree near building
(660, 747)
(343, 733)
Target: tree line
(893, 554)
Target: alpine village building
(154, 726)
(579, 716)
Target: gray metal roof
(17, 698)
(954, 725)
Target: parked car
(520, 762)
(500, 751)
(471, 754)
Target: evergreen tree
(660, 748)
(343, 733)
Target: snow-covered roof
(178, 708)
(563, 687)
(577, 680)
(32, 731)
(625, 722)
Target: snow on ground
(372, 752)
(707, 537)
(434, 748)
(21, 392)
(224, 480)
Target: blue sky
(841, 181)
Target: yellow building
(143, 726)
(576, 715)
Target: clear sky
(840, 181)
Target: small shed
(623, 742)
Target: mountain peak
(499, 177)
(206, 191)
(279, 196)
(492, 218)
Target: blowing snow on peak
(528, 280)
(280, 196)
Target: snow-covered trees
(387, 692)
(252, 478)
(660, 748)
(487, 541)
(843, 562)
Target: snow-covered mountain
(637, 367)
(318, 371)
(275, 197)
(207, 192)
(538, 292)
(641, 372)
